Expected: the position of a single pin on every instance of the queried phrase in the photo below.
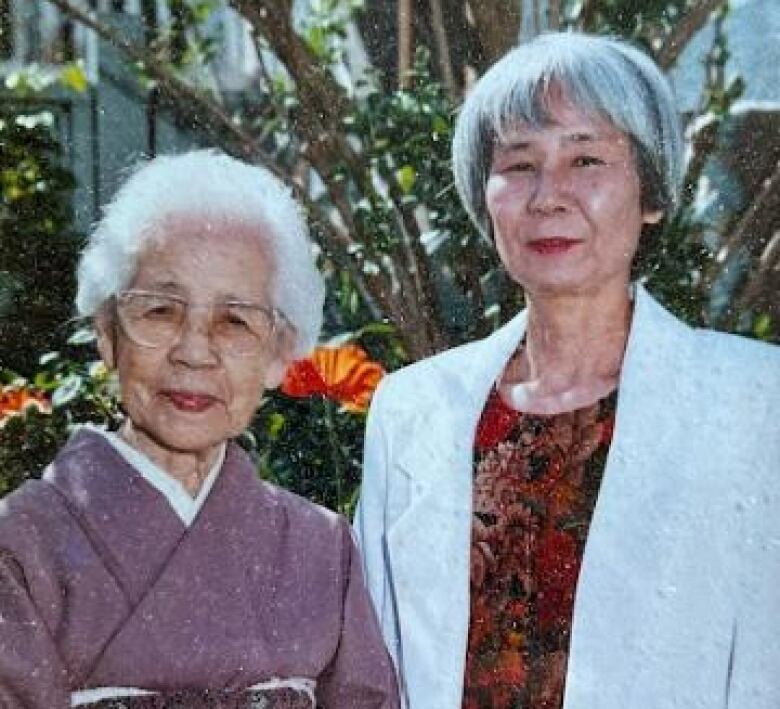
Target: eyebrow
(174, 288)
(579, 137)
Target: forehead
(200, 255)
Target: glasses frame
(278, 319)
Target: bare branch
(684, 30)
(554, 14)
(762, 283)
(405, 42)
(754, 233)
(497, 24)
(443, 48)
(703, 144)
(754, 228)
(588, 15)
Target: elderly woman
(582, 509)
(151, 567)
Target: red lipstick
(555, 245)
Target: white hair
(210, 184)
(600, 74)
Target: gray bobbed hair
(214, 187)
(602, 75)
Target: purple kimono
(102, 585)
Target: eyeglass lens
(156, 320)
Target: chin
(189, 438)
(572, 283)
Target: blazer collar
(464, 376)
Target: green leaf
(762, 327)
(376, 328)
(406, 177)
(74, 77)
(317, 40)
(440, 125)
(276, 422)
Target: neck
(575, 339)
(189, 468)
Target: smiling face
(190, 396)
(564, 201)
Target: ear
(285, 347)
(106, 338)
(652, 217)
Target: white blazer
(678, 600)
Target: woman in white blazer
(565, 154)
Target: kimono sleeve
(32, 675)
(361, 674)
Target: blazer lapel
(627, 606)
(426, 544)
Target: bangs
(530, 103)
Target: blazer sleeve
(361, 674)
(32, 675)
(370, 522)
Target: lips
(191, 402)
(553, 245)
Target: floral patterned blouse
(536, 479)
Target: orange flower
(14, 400)
(345, 374)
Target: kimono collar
(183, 504)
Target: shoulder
(720, 349)
(295, 512)
(32, 505)
(738, 353)
(737, 369)
(36, 530)
(432, 376)
(39, 503)
(311, 516)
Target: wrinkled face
(564, 201)
(191, 394)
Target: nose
(195, 346)
(549, 193)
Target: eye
(235, 319)
(587, 161)
(520, 166)
(158, 309)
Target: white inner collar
(185, 506)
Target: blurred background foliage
(364, 138)
(38, 245)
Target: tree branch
(588, 14)
(754, 234)
(684, 30)
(405, 42)
(497, 24)
(443, 48)
(554, 14)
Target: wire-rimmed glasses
(156, 320)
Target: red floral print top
(536, 479)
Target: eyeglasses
(235, 327)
